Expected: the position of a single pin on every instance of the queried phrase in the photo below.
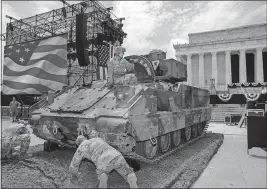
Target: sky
(158, 24)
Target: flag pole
(21, 100)
(92, 75)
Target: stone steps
(219, 112)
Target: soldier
(13, 106)
(14, 136)
(105, 158)
(120, 71)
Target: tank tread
(165, 155)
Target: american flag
(35, 67)
(104, 53)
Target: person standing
(13, 106)
(120, 71)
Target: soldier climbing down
(105, 158)
(120, 71)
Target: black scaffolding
(63, 20)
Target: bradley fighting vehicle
(147, 119)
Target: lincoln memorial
(234, 55)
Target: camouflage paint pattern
(150, 122)
(126, 91)
(142, 112)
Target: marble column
(228, 68)
(255, 67)
(259, 65)
(189, 69)
(214, 67)
(201, 69)
(242, 67)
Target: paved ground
(231, 167)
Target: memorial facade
(235, 55)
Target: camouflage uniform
(119, 69)
(13, 105)
(15, 136)
(117, 72)
(105, 158)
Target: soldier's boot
(103, 178)
(25, 144)
(132, 179)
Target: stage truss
(60, 21)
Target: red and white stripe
(103, 70)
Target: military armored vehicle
(147, 119)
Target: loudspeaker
(81, 40)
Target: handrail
(37, 105)
(42, 102)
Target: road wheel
(187, 133)
(194, 131)
(176, 138)
(165, 142)
(150, 150)
(199, 128)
